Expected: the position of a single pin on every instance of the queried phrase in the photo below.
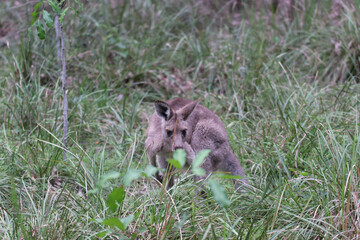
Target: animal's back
(201, 113)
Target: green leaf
(175, 163)
(55, 6)
(198, 161)
(103, 179)
(108, 176)
(130, 176)
(180, 155)
(102, 234)
(35, 13)
(200, 158)
(62, 15)
(119, 223)
(150, 170)
(179, 158)
(219, 193)
(115, 198)
(198, 171)
(40, 30)
(48, 20)
(114, 222)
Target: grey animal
(184, 124)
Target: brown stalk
(169, 168)
(168, 171)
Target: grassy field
(285, 85)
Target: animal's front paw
(190, 154)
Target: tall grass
(286, 90)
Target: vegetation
(286, 87)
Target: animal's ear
(163, 110)
(186, 111)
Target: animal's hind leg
(232, 166)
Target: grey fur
(197, 128)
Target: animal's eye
(183, 133)
(169, 133)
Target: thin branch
(60, 44)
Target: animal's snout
(176, 147)
(178, 143)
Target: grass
(286, 90)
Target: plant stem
(62, 64)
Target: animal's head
(176, 126)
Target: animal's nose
(176, 148)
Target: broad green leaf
(115, 198)
(35, 13)
(200, 158)
(48, 20)
(102, 234)
(119, 223)
(130, 176)
(175, 163)
(198, 161)
(219, 193)
(114, 222)
(150, 170)
(40, 30)
(180, 156)
(198, 171)
(62, 15)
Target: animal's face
(175, 133)
(176, 127)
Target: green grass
(287, 92)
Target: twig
(62, 64)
